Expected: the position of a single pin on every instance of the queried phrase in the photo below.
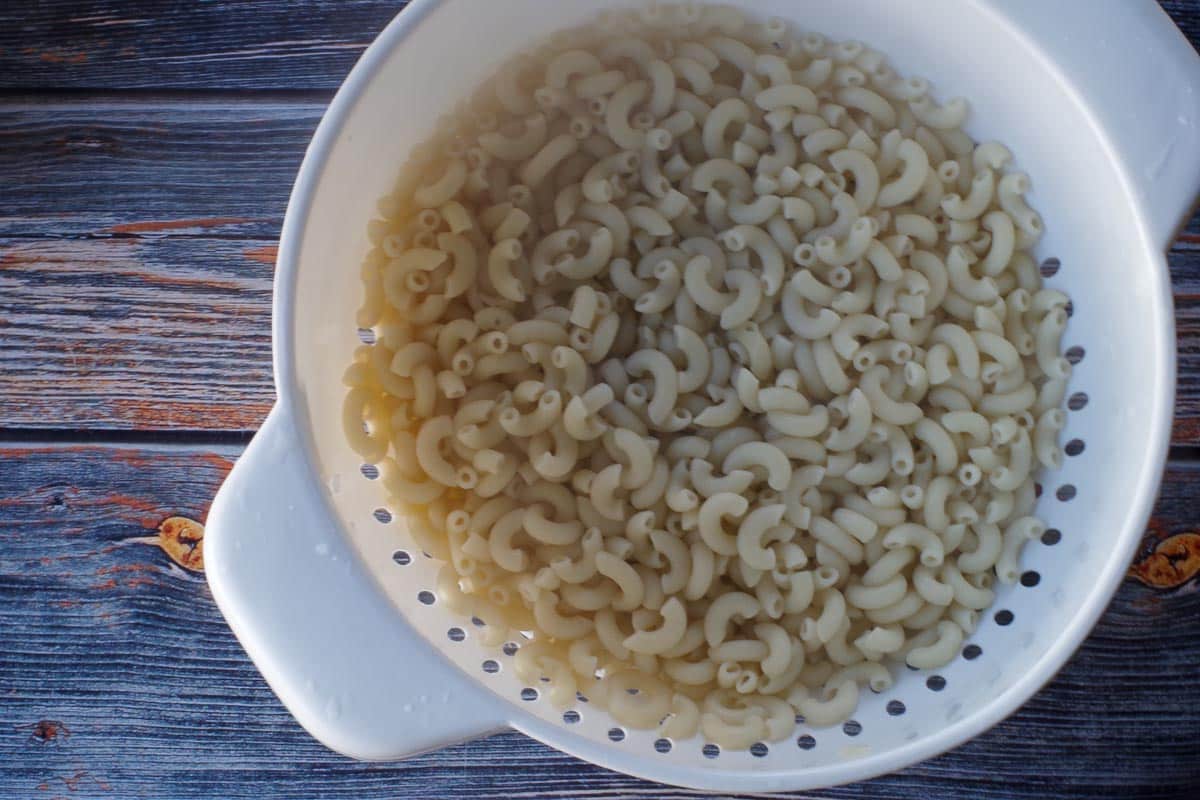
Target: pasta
(715, 361)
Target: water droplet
(407, 708)
(333, 709)
(335, 483)
(323, 549)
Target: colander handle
(331, 645)
(1141, 80)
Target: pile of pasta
(713, 362)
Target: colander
(337, 606)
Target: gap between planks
(232, 441)
(119, 99)
(1184, 453)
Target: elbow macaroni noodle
(714, 360)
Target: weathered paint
(263, 255)
(169, 322)
(159, 226)
(229, 45)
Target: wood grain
(120, 679)
(135, 333)
(1184, 260)
(154, 167)
(124, 44)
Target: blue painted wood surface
(146, 153)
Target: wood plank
(150, 168)
(136, 197)
(118, 678)
(1184, 261)
(307, 44)
(239, 45)
(136, 333)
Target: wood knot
(183, 540)
(1173, 562)
(49, 730)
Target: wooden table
(146, 154)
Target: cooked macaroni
(713, 362)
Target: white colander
(337, 607)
